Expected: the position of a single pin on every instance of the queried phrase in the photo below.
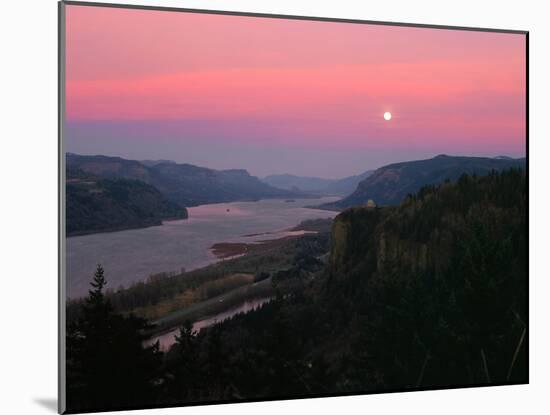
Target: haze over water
(132, 255)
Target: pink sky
(261, 83)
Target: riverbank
(224, 250)
(125, 228)
(168, 338)
(271, 260)
(213, 306)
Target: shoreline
(123, 228)
(166, 338)
(211, 307)
(229, 250)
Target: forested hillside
(99, 205)
(436, 288)
(430, 293)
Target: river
(132, 255)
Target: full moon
(387, 116)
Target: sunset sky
(287, 96)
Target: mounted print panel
(260, 207)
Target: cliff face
(371, 236)
(352, 237)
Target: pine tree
(96, 295)
(107, 365)
(186, 365)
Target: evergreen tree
(96, 295)
(107, 365)
(186, 374)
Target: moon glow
(387, 116)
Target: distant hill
(290, 181)
(347, 185)
(185, 184)
(150, 163)
(341, 187)
(388, 185)
(109, 167)
(101, 205)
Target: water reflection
(166, 340)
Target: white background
(28, 203)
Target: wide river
(132, 255)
